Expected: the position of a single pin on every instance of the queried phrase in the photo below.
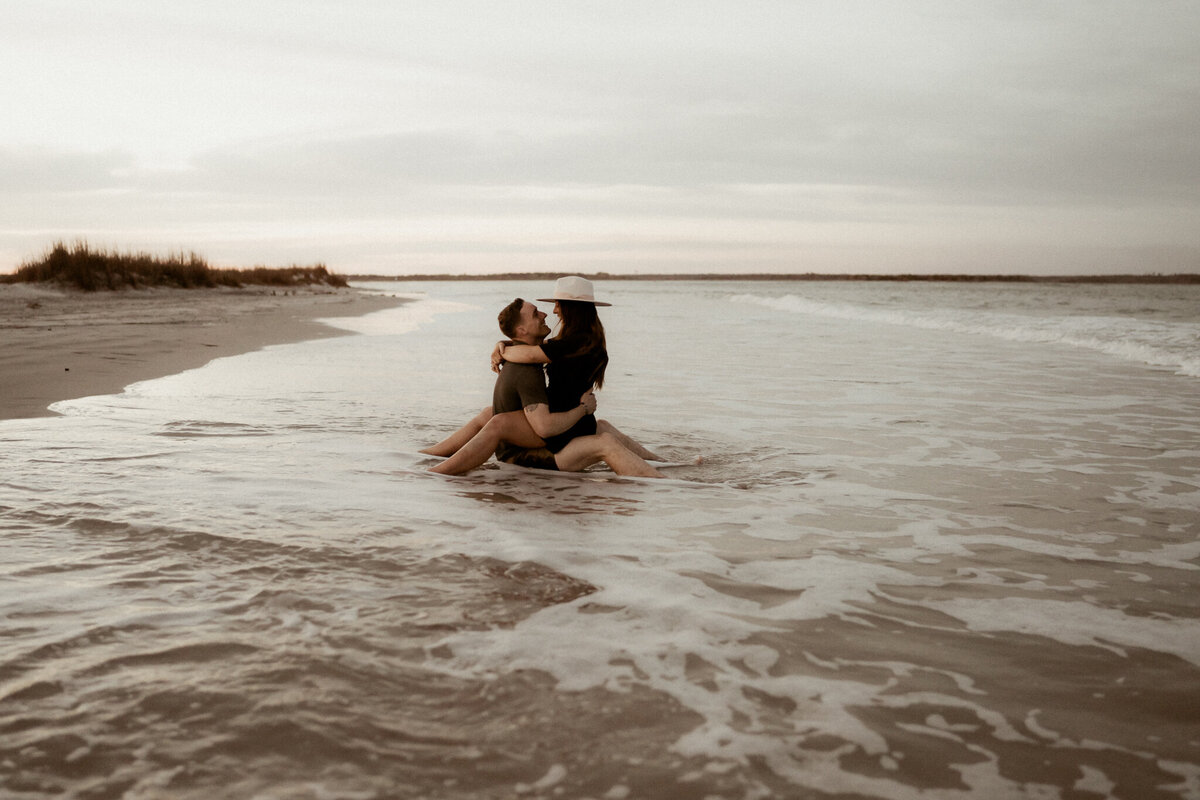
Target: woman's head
(578, 319)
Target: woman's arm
(524, 354)
(545, 424)
(517, 354)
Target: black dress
(571, 372)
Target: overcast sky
(401, 137)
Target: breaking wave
(1170, 344)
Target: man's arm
(545, 424)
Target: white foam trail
(1076, 623)
(409, 317)
(1164, 344)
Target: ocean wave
(873, 584)
(1175, 345)
(193, 428)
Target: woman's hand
(588, 401)
(498, 355)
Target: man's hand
(589, 401)
(498, 356)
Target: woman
(575, 360)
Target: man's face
(534, 322)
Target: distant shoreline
(1154, 278)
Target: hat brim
(571, 300)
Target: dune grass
(83, 267)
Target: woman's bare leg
(584, 451)
(512, 427)
(450, 445)
(604, 426)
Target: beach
(944, 543)
(61, 344)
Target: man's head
(522, 322)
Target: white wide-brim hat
(573, 287)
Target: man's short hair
(510, 317)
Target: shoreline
(61, 344)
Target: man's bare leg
(584, 451)
(512, 427)
(451, 444)
(604, 426)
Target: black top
(571, 373)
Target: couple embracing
(543, 406)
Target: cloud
(971, 124)
(40, 170)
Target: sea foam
(1175, 345)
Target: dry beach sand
(58, 344)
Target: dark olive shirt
(519, 386)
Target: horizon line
(1149, 277)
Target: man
(519, 438)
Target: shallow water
(944, 543)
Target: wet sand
(59, 344)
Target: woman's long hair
(580, 321)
